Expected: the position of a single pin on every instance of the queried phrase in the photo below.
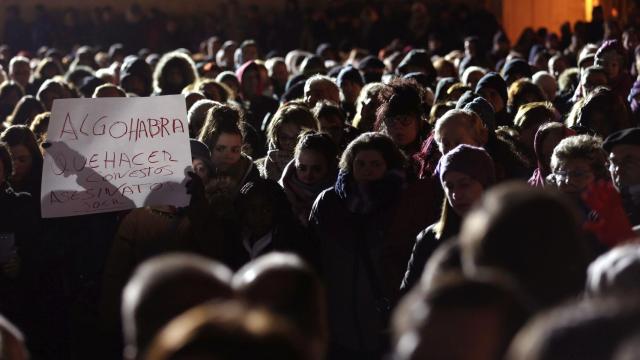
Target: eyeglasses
(404, 120)
(575, 174)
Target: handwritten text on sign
(113, 154)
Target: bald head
(320, 87)
(163, 288)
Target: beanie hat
(514, 67)
(494, 81)
(484, 110)
(466, 98)
(469, 160)
(443, 85)
(350, 73)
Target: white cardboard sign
(111, 154)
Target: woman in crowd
(26, 109)
(364, 227)
(464, 172)
(546, 139)
(222, 133)
(312, 170)
(26, 158)
(10, 94)
(401, 115)
(579, 165)
(282, 134)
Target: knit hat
(469, 160)
(421, 78)
(443, 85)
(494, 81)
(515, 67)
(350, 73)
(484, 110)
(371, 62)
(466, 98)
(611, 45)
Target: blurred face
(227, 151)
(592, 81)
(174, 78)
(288, 136)
(403, 129)
(610, 61)
(333, 126)
(454, 133)
(350, 90)
(461, 190)
(311, 167)
(493, 97)
(368, 165)
(201, 169)
(280, 73)
(21, 73)
(625, 165)
(134, 84)
(557, 66)
(250, 82)
(22, 161)
(258, 214)
(574, 176)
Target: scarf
(367, 198)
(300, 195)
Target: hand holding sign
(114, 154)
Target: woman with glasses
(579, 170)
(401, 115)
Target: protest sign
(111, 154)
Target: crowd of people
(432, 195)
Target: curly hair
(584, 147)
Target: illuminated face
(22, 161)
(368, 165)
(625, 165)
(311, 167)
(461, 190)
(452, 134)
(574, 176)
(227, 151)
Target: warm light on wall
(588, 7)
